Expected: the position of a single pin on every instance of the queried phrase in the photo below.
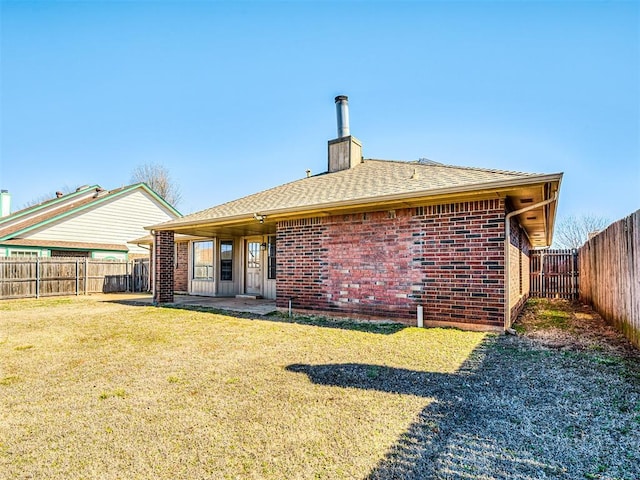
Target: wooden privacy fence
(42, 277)
(554, 274)
(610, 275)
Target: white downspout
(507, 242)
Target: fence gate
(554, 274)
(140, 275)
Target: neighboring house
(372, 239)
(90, 222)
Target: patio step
(252, 297)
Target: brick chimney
(345, 151)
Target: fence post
(37, 277)
(77, 277)
(542, 292)
(86, 274)
(127, 279)
(574, 276)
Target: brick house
(371, 239)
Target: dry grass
(565, 325)
(114, 391)
(103, 390)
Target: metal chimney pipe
(342, 110)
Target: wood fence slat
(35, 277)
(553, 274)
(610, 269)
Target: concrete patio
(231, 304)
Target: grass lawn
(100, 390)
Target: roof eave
(551, 219)
(501, 185)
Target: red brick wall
(164, 267)
(448, 258)
(301, 262)
(518, 269)
(181, 268)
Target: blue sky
(237, 97)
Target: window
(226, 260)
(203, 260)
(271, 260)
(24, 253)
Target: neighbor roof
(368, 182)
(57, 208)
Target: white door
(253, 272)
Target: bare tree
(46, 197)
(158, 179)
(573, 231)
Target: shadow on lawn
(383, 328)
(483, 421)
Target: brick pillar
(163, 267)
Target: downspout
(507, 242)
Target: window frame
(195, 268)
(272, 271)
(24, 253)
(226, 264)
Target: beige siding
(269, 289)
(236, 286)
(203, 287)
(116, 221)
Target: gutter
(423, 195)
(507, 242)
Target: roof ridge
(491, 170)
(448, 165)
(46, 203)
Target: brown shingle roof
(51, 209)
(368, 180)
(43, 216)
